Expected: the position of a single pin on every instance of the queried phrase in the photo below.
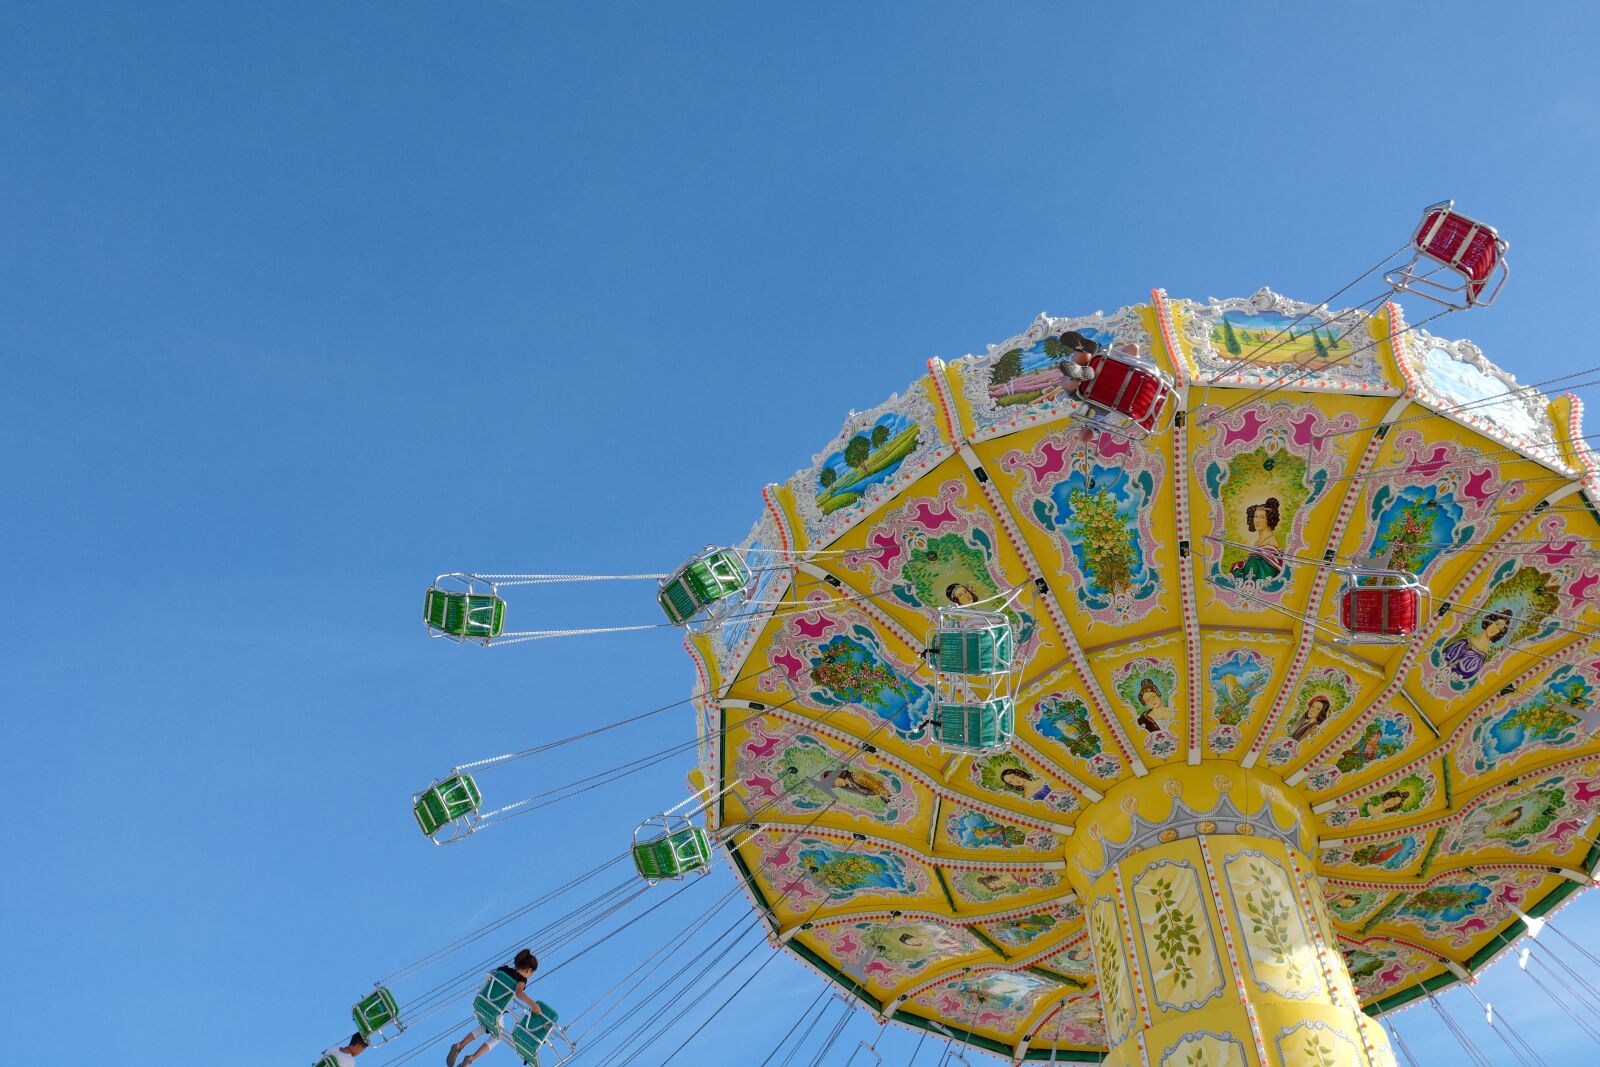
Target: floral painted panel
(1203, 1048)
(1460, 910)
(1314, 1043)
(1116, 991)
(1180, 952)
(834, 657)
(1561, 712)
(1093, 499)
(1278, 949)
(1433, 498)
(812, 869)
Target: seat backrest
(1461, 242)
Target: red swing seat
(1129, 385)
(1471, 249)
(1380, 607)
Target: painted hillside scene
(1026, 375)
(870, 457)
(1274, 339)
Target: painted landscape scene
(1276, 339)
(870, 457)
(1026, 375)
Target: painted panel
(1116, 990)
(1180, 950)
(1204, 1048)
(1314, 1043)
(1278, 950)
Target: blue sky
(301, 304)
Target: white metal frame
(665, 825)
(713, 613)
(471, 585)
(1405, 278)
(457, 829)
(973, 689)
(378, 1036)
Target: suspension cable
(1562, 1004)
(833, 1038)
(1488, 1018)
(1256, 353)
(1473, 1052)
(1400, 1043)
(466, 939)
(823, 992)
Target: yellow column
(1211, 941)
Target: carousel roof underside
(1178, 605)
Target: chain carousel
(1257, 699)
(1190, 685)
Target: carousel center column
(1212, 942)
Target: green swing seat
(446, 801)
(986, 645)
(493, 1000)
(672, 855)
(450, 613)
(326, 1061)
(375, 1011)
(531, 1032)
(701, 582)
(976, 727)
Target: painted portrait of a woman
(1465, 656)
(1265, 558)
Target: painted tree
(1009, 366)
(1110, 554)
(857, 451)
(880, 434)
(828, 477)
(1322, 349)
(1229, 340)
